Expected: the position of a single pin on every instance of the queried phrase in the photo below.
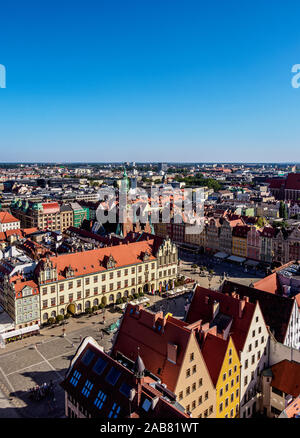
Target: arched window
(87, 304)
(53, 314)
(62, 312)
(132, 291)
(119, 295)
(79, 307)
(95, 302)
(111, 298)
(45, 317)
(126, 293)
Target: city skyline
(149, 82)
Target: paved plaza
(46, 357)
(38, 362)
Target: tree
(59, 318)
(283, 210)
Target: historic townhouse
(239, 240)
(98, 386)
(212, 235)
(170, 350)
(254, 243)
(225, 236)
(280, 246)
(20, 299)
(244, 322)
(223, 363)
(76, 281)
(266, 250)
(8, 222)
(294, 244)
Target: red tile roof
(286, 377)
(214, 350)
(201, 307)
(140, 328)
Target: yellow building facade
(228, 384)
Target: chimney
(216, 308)
(172, 352)
(241, 307)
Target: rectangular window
(75, 378)
(95, 279)
(100, 399)
(61, 287)
(87, 388)
(52, 289)
(70, 284)
(78, 283)
(87, 281)
(115, 410)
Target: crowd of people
(40, 392)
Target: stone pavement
(44, 357)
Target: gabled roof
(6, 218)
(214, 349)
(276, 309)
(201, 308)
(152, 333)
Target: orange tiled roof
(88, 262)
(6, 218)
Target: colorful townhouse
(244, 322)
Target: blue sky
(150, 80)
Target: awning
(221, 255)
(236, 259)
(21, 331)
(251, 263)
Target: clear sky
(149, 80)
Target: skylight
(113, 376)
(146, 405)
(99, 366)
(87, 357)
(125, 389)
